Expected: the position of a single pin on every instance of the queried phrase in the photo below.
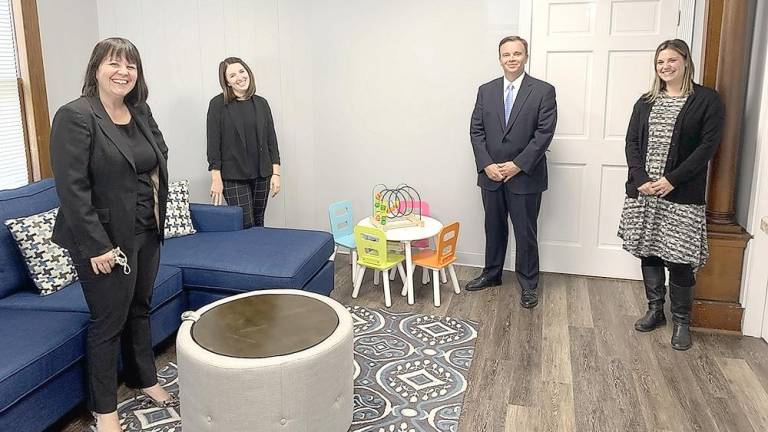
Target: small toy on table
(393, 208)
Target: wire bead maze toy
(394, 208)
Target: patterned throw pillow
(49, 264)
(178, 219)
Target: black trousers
(523, 210)
(119, 306)
(251, 196)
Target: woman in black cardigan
(242, 145)
(674, 131)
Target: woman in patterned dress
(674, 131)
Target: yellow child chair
(441, 258)
(373, 253)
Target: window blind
(13, 155)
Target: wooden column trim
(732, 72)
(726, 65)
(34, 95)
(713, 20)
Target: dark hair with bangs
(229, 94)
(110, 48)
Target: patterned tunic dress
(653, 226)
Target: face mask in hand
(121, 260)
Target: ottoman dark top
(268, 325)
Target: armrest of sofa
(211, 218)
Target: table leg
(409, 271)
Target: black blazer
(96, 178)
(524, 140)
(695, 138)
(226, 142)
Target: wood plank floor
(575, 363)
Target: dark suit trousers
(523, 210)
(119, 306)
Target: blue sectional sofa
(42, 339)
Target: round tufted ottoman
(272, 360)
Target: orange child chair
(441, 258)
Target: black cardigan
(226, 145)
(695, 139)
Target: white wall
(362, 92)
(752, 198)
(68, 32)
(755, 81)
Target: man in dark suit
(512, 125)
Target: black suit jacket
(226, 141)
(96, 178)
(524, 140)
(695, 139)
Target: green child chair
(373, 253)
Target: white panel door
(598, 54)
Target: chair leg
(392, 275)
(353, 253)
(401, 270)
(443, 277)
(387, 295)
(333, 255)
(376, 275)
(454, 279)
(424, 276)
(358, 281)
(436, 286)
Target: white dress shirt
(516, 83)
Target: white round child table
(406, 235)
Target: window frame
(32, 89)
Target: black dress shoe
(481, 282)
(529, 299)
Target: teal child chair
(342, 225)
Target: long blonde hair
(659, 85)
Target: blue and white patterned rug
(410, 375)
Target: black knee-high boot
(681, 298)
(655, 290)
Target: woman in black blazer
(109, 163)
(243, 157)
(674, 131)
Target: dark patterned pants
(251, 196)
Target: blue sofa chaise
(42, 338)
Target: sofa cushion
(256, 258)
(49, 264)
(210, 218)
(71, 299)
(24, 201)
(35, 346)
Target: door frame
(754, 288)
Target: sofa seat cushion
(252, 259)
(34, 347)
(71, 299)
